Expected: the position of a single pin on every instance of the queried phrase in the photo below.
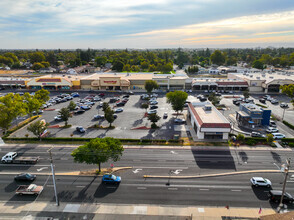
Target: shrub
(240, 137)
(269, 138)
(291, 144)
(250, 142)
(288, 124)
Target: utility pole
(286, 170)
(53, 177)
(283, 114)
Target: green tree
(145, 105)
(153, 118)
(246, 94)
(42, 95)
(65, 115)
(31, 104)
(258, 65)
(100, 61)
(108, 115)
(38, 128)
(118, 65)
(45, 64)
(240, 137)
(37, 66)
(213, 98)
(218, 58)
(105, 106)
(177, 99)
(127, 68)
(37, 57)
(289, 91)
(98, 151)
(269, 138)
(150, 85)
(72, 105)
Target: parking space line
(172, 188)
(236, 190)
(141, 188)
(204, 189)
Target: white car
(154, 95)
(153, 102)
(272, 130)
(278, 135)
(260, 181)
(153, 111)
(57, 118)
(98, 116)
(118, 110)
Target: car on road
(117, 110)
(271, 130)
(153, 111)
(260, 181)
(80, 129)
(110, 178)
(179, 121)
(165, 115)
(278, 136)
(275, 196)
(25, 177)
(257, 134)
(98, 116)
(284, 105)
(81, 111)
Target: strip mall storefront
(107, 83)
(57, 83)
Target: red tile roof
(48, 80)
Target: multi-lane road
(232, 190)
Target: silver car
(260, 181)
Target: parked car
(275, 196)
(271, 130)
(69, 97)
(110, 178)
(86, 107)
(273, 124)
(165, 115)
(80, 129)
(262, 101)
(278, 136)
(284, 105)
(153, 107)
(259, 181)
(81, 111)
(203, 99)
(115, 99)
(153, 102)
(117, 110)
(179, 121)
(153, 111)
(126, 96)
(274, 101)
(25, 177)
(114, 116)
(101, 94)
(120, 104)
(154, 95)
(98, 116)
(57, 118)
(75, 94)
(257, 134)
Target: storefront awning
(243, 114)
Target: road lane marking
(141, 188)
(80, 186)
(236, 190)
(183, 168)
(42, 168)
(204, 189)
(137, 170)
(172, 188)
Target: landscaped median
(69, 140)
(214, 175)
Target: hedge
(288, 124)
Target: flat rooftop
(208, 116)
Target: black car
(126, 96)
(153, 107)
(114, 116)
(262, 101)
(25, 177)
(120, 104)
(80, 129)
(275, 196)
(81, 111)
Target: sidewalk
(120, 211)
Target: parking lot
(125, 124)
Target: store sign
(110, 82)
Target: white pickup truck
(11, 157)
(32, 189)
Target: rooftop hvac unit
(207, 108)
(257, 77)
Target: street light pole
(284, 184)
(283, 114)
(53, 177)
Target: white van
(8, 158)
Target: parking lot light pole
(286, 170)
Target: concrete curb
(215, 175)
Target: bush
(288, 124)
(175, 141)
(250, 142)
(269, 138)
(240, 137)
(291, 144)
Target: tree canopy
(150, 85)
(64, 115)
(38, 128)
(218, 58)
(177, 99)
(98, 151)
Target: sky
(141, 24)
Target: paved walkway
(17, 210)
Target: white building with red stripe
(208, 122)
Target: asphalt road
(134, 189)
